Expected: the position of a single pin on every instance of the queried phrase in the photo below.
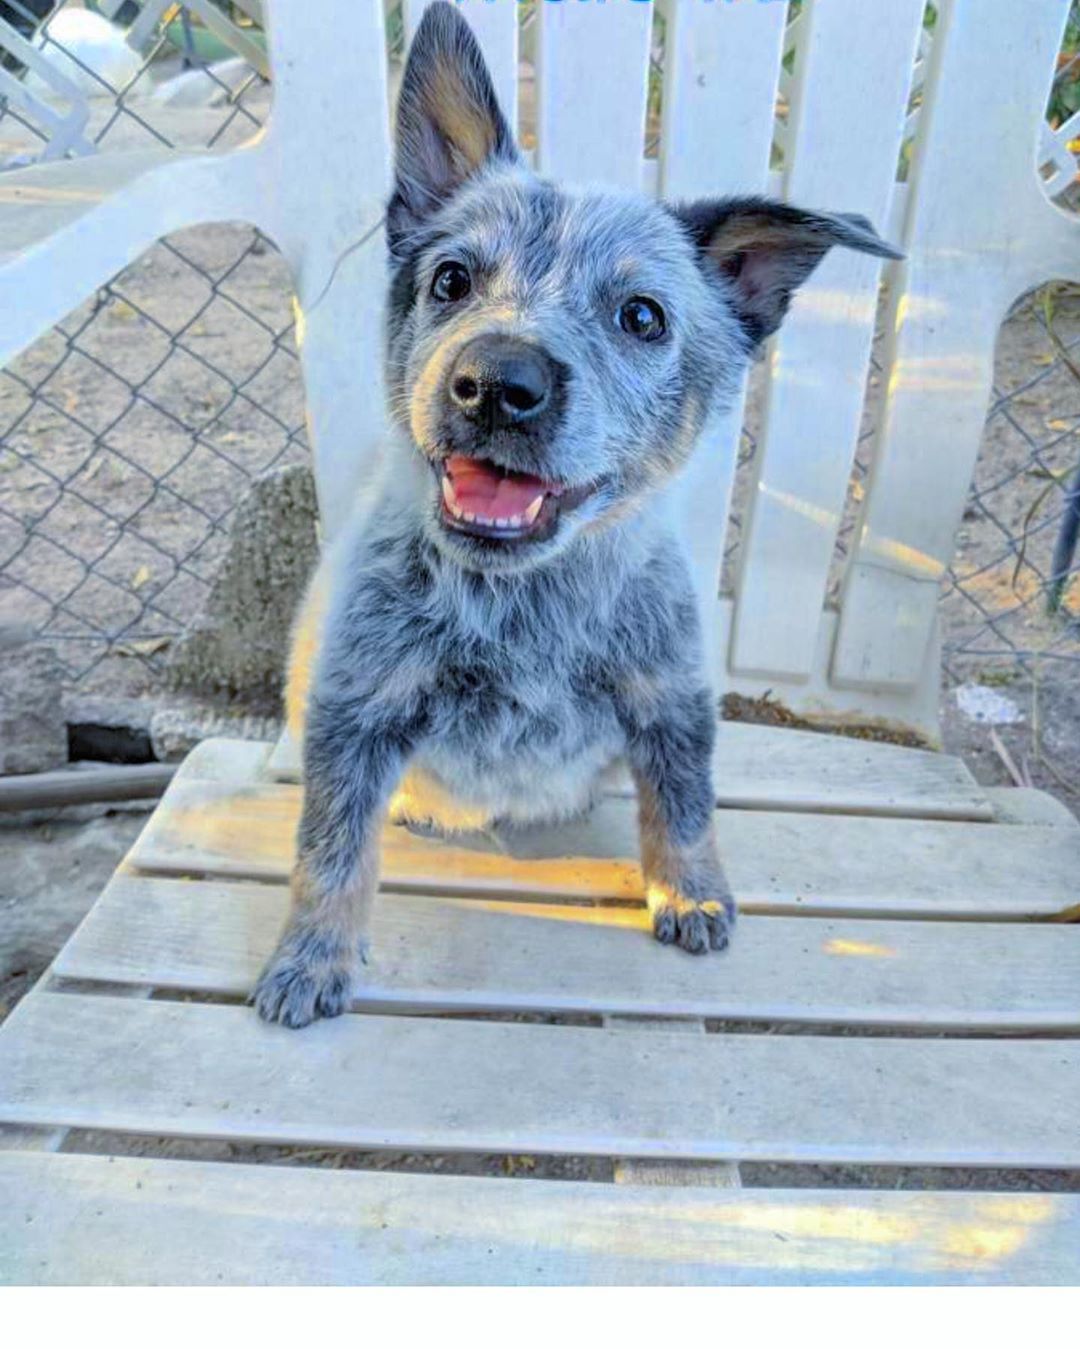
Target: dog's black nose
(500, 382)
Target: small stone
(33, 733)
(51, 875)
(987, 706)
(177, 725)
(238, 644)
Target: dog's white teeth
(450, 498)
(489, 521)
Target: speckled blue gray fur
(511, 676)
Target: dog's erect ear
(767, 249)
(449, 123)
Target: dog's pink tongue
(481, 489)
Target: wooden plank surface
(777, 862)
(420, 1083)
(1029, 805)
(765, 767)
(670, 1171)
(220, 759)
(127, 1220)
(494, 955)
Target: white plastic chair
(858, 868)
(974, 219)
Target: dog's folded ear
(766, 249)
(449, 124)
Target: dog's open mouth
(490, 502)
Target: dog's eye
(642, 318)
(451, 282)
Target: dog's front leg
(352, 763)
(671, 759)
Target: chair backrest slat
(593, 74)
(321, 183)
(980, 231)
(849, 103)
(721, 67)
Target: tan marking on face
(424, 398)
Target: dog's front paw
(307, 977)
(696, 926)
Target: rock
(33, 733)
(979, 703)
(177, 726)
(238, 644)
(51, 874)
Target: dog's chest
(500, 699)
(521, 722)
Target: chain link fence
(130, 432)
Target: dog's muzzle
(490, 502)
(500, 383)
(503, 398)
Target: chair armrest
(66, 228)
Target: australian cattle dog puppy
(515, 614)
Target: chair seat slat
(212, 1071)
(432, 953)
(776, 862)
(128, 1220)
(764, 767)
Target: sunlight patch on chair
(842, 946)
